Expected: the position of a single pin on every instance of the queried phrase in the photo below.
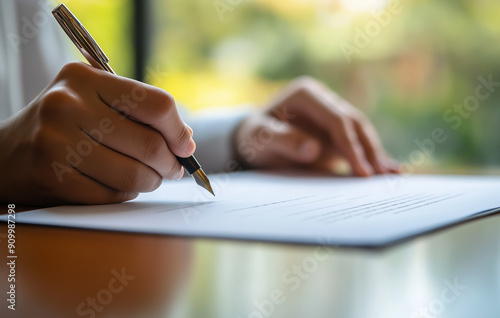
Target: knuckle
(132, 178)
(137, 178)
(172, 172)
(156, 184)
(124, 196)
(361, 122)
(152, 145)
(56, 102)
(306, 85)
(164, 106)
(360, 118)
(305, 81)
(75, 69)
(43, 142)
(340, 120)
(183, 136)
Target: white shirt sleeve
(213, 134)
(33, 48)
(32, 51)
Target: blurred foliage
(109, 24)
(414, 67)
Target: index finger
(325, 112)
(149, 105)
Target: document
(291, 207)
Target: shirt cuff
(213, 134)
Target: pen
(94, 55)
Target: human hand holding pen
(96, 57)
(49, 161)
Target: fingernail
(190, 130)
(393, 166)
(396, 168)
(191, 147)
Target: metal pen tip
(202, 180)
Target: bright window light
(364, 5)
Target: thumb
(293, 143)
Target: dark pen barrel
(190, 164)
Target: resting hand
(309, 125)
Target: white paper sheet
(291, 208)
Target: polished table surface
(64, 272)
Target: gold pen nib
(202, 180)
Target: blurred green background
(410, 65)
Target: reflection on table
(80, 273)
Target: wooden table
(80, 273)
